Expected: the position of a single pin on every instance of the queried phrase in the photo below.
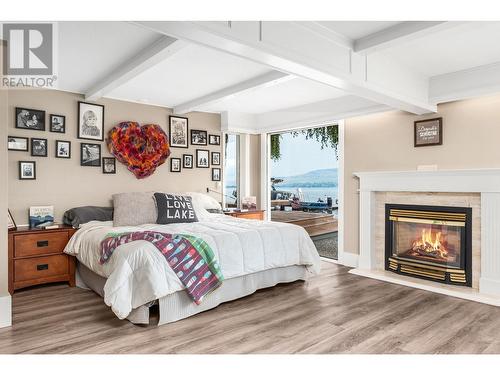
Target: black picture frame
(10, 140)
(217, 160)
(106, 161)
(11, 219)
(84, 117)
(214, 139)
(185, 164)
(216, 174)
(52, 125)
(199, 137)
(199, 153)
(179, 161)
(86, 147)
(21, 163)
(35, 148)
(60, 156)
(173, 138)
(421, 126)
(24, 119)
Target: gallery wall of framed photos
(58, 154)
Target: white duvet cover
(138, 273)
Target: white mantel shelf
(483, 181)
(451, 181)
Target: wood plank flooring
(335, 312)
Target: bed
(252, 255)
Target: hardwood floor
(335, 312)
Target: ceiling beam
(308, 115)
(285, 48)
(399, 33)
(320, 29)
(263, 80)
(465, 84)
(318, 113)
(160, 50)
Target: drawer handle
(41, 267)
(42, 243)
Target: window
(231, 170)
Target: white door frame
(265, 145)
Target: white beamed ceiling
(465, 46)
(192, 72)
(262, 76)
(285, 94)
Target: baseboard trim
(5, 311)
(489, 286)
(348, 259)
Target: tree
(327, 136)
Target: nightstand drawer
(41, 267)
(40, 243)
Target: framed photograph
(41, 216)
(33, 119)
(215, 158)
(57, 124)
(178, 131)
(249, 203)
(63, 149)
(90, 121)
(198, 137)
(187, 161)
(11, 224)
(215, 174)
(17, 143)
(90, 155)
(202, 159)
(39, 147)
(175, 164)
(428, 132)
(109, 165)
(27, 170)
(214, 139)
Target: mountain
(316, 178)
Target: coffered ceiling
(268, 75)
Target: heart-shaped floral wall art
(141, 148)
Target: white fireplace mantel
(483, 181)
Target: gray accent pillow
(174, 209)
(81, 215)
(132, 209)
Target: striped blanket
(190, 257)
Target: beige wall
(3, 185)
(471, 130)
(65, 184)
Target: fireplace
(429, 242)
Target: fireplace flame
(428, 246)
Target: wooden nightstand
(254, 214)
(36, 257)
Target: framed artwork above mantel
(428, 132)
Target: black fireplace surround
(429, 242)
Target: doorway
(304, 183)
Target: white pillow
(202, 203)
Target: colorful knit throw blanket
(191, 258)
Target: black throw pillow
(174, 209)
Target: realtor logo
(29, 49)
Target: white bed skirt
(178, 305)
